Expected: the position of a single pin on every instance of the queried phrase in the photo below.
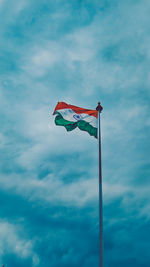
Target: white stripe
(70, 115)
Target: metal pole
(99, 109)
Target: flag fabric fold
(72, 117)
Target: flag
(72, 117)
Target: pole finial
(99, 107)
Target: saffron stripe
(78, 110)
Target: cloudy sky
(80, 52)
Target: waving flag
(72, 117)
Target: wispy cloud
(12, 241)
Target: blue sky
(79, 52)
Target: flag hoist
(72, 117)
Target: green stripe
(85, 126)
(82, 125)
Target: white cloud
(53, 190)
(87, 46)
(12, 242)
(44, 58)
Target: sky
(79, 52)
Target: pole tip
(99, 107)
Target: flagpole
(99, 109)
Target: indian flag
(72, 117)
